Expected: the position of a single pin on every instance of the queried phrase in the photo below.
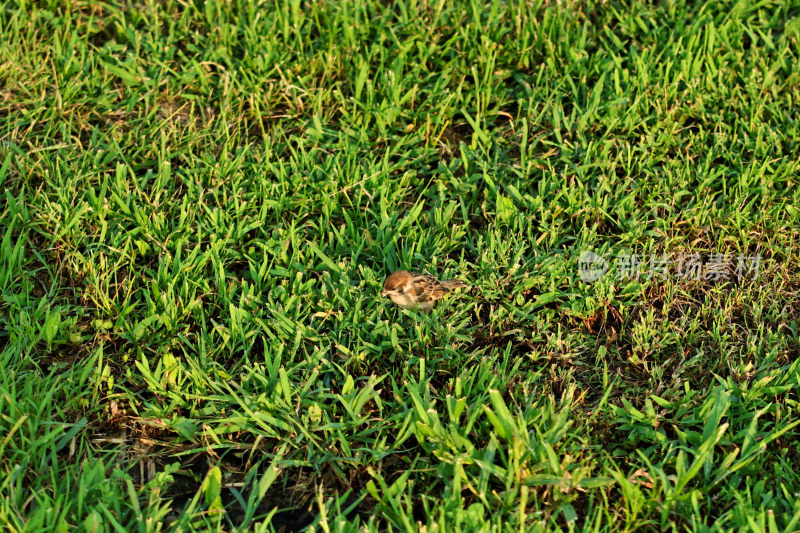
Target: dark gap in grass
(291, 518)
(5, 337)
(292, 493)
(607, 320)
(259, 122)
(482, 340)
(453, 135)
(238, 268)
(478, 224)
(105, 35)
(151, 441)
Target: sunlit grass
(201, 200)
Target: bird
(413, 290)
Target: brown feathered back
(429, 289)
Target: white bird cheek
(402, 300)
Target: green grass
(201, 200)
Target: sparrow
(412, 290)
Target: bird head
(395, 283)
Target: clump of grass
(201, 201)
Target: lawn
(201, 200)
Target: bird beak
(384, 294)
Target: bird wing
(426, 287)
